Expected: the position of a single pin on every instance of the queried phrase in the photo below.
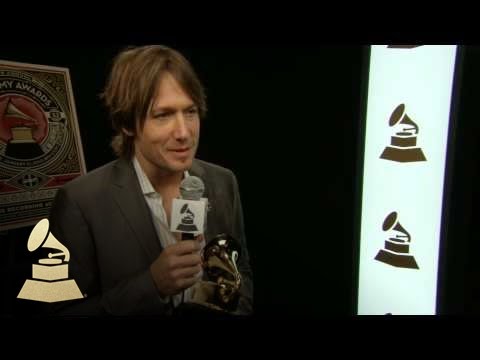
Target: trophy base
(203, 294)
(50, 291)
(403, 155)
(402, 261)
(205, 301)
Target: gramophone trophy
(220, 291)
(22, 144)
(403, 145)
(49, 281)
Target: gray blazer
(104, 221)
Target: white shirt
(160, 221)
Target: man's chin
(178, 166)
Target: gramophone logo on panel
(396, 251)
(403, 144)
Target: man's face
(169, 139)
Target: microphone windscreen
(192, 188)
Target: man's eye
(192, 111)
(161, 115)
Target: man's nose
(181, 129)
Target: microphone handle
(188, 236)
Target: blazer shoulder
(94, 179)
(202, 167)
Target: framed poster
(40, 145)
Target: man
(115, 220)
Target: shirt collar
(145, 184)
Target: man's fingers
(185, 261)
(188, 272)
(184, 247)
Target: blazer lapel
(128, 196)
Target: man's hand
(177, 268)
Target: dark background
(287, 120)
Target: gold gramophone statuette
(221, 289)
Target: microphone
(188, 212)
(191, 188)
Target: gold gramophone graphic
(49, 281)
(221, 289)
(397, 246)
(22, 145)
(403, 145)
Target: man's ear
(128, 132)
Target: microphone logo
(187, 222)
